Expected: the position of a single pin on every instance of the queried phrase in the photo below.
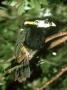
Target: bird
(29, 41)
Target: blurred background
(12, 15)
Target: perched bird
(29, 41)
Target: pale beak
(30, 23)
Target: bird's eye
(36, 21)
(46, 21)
(50, 23)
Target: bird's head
(40, 23)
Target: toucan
(30, 40)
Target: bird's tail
(22, 72)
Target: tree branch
(55, 36)
(45, 85)
(57, 42)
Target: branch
(45, 85)
(58, 42)
(8, 61)
(55, 36)
(12, 69)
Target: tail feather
(22, 73)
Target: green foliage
(12, 15)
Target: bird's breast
(34, 39)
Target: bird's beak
(30, 23)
